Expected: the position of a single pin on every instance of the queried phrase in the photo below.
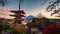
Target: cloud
(5, 11)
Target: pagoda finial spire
(20, 1)
(19, 5)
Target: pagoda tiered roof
(18, 16)
(18, 12)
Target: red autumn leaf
(52, 29)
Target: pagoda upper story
(18, 13)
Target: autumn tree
(53, 7)
(40, 16)
(42, 19)
(3, 2)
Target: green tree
(6, 22)
(2, 27)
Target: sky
(30, 7)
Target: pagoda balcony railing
(18, 19)
(16, 15)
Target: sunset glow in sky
(31, 7)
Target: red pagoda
(18, 15)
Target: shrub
(52, 29)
